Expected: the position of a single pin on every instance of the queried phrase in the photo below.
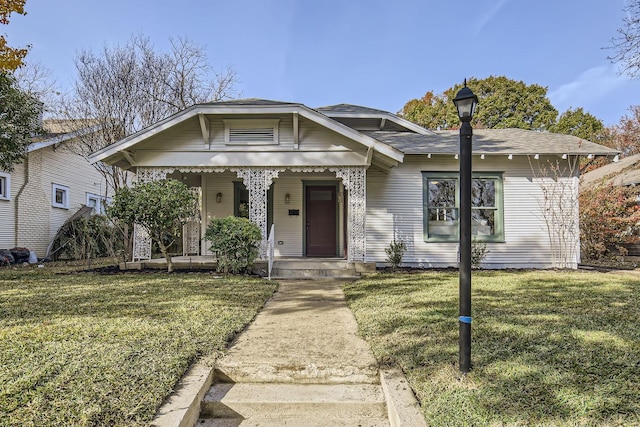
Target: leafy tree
(625, 136)
(578, 123)
(609, 219)
(503, 103)
(235, 242)
(627, 43)
(10, 58)
(124, 89)
(19, 121)
(162, 207)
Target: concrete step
(292, 422)
(313, 269)
(313, 264)
(289, 373)
(295, 401)
(311, 273)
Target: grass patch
(548, 347)
(83, 349)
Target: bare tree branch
(627, 43)
(124, 89)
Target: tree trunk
(166, 255)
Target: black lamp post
(465, 102)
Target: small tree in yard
(235, 242)
(162, 207)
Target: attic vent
(251, 132)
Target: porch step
(294, 404)
(310, 269)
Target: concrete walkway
(305, 333)
(301, 362)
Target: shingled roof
(492, 141)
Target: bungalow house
(345, 181)
(46, 189)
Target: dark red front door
(321, 216)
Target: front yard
(80, 348)
(548, 347)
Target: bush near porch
(548, 347)
(83, 349)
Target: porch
(283, 267)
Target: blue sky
(368, 52)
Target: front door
(321, 220)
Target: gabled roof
(350, 109)
(493, 141)
(346, 112)
(57, 134)
(250, 101)
(246, 106)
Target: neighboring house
(47, 188)
(345, 181)
(624, 173)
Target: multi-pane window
(442, 202)
(96, 202)
(60, 196)
(5, 186)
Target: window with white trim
(441, 201)
(60, 196)
(96, 202)
(251, 132)
(5, 186)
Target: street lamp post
(465, 102)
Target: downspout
(17, 199)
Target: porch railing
(270, 250)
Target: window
(96, 202)
(60, 196)
(251, 132)
(5, 186)
(441, 201)
(241, 202)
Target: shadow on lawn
(548, 347)
(156, 295)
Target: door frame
(320, 183)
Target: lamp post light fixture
(465, 102)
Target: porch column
(258, 181)
(354, 181)
(141, 238)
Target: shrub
(86, 238)
(609, 219)
(395, 251)
(235, 242)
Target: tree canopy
(626, 44)
(19, 121)
(581, 124)
(503, 103)
(625, 136)
(10, 58)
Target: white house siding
(395, 210)
(8, 209)
(30, 219)
(32, 215)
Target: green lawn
(548, 347)
(81, 348)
